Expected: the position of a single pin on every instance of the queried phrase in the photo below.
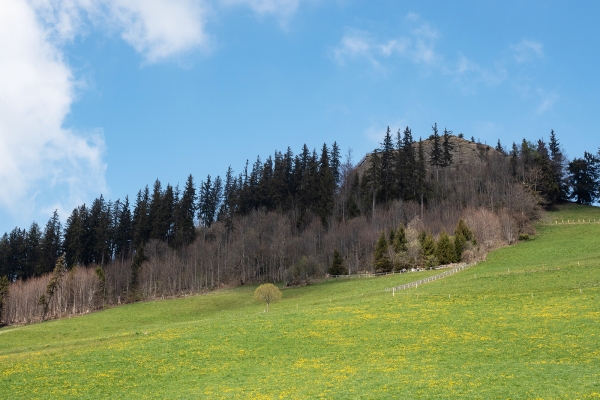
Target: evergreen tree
(372, 181)
(445, 251)
(186, 210)
(420, 174)
(428, 251)
(136, 266)
(584, 179)
(75, 236)
(499, 147)
(387, 166)
(400, 242)
(337, 264)
(558, 161)
(124, 230)
(409, 167)
(205, 202)
(463, 230)
(51, 245)
(381, 258)
(447, 148)
(436, 156)
(4, 286)
(326, 188)
(33, 248)
(335, 163)
(460, 244)
(141, 218)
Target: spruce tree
(33, 247)
(186, 210)
(400, 242)
(387, 166)
(409, 166)
(428, 251)
(447, 148)
(335, 163)
(4, 286)
(51, 245)
(381, 258)
(558, 160)
(445, 252)
(337, 264)
(326, 188)
(436, 156)
(463, 230)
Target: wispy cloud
(282, 10)
(548, 100)
(527, 50)
(418, 46)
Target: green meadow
(523, 324)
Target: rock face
(464, 152)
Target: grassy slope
(523, 324)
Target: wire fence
(431, 278)
(574, 221)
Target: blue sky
(105, 96)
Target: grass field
(524, 324)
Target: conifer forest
(292, 218)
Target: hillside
(522, 324)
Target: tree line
(282, 219)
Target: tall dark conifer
(436, 156)
(51, 245)
(326, 187)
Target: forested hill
(283, 218)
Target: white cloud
(548, 99)
(527, 50)
(470, 74)
(157, 29)
(282, 9)
(418, 47)
(37, 91)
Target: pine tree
(337, 264)
(381, 258)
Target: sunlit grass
(523, 324)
